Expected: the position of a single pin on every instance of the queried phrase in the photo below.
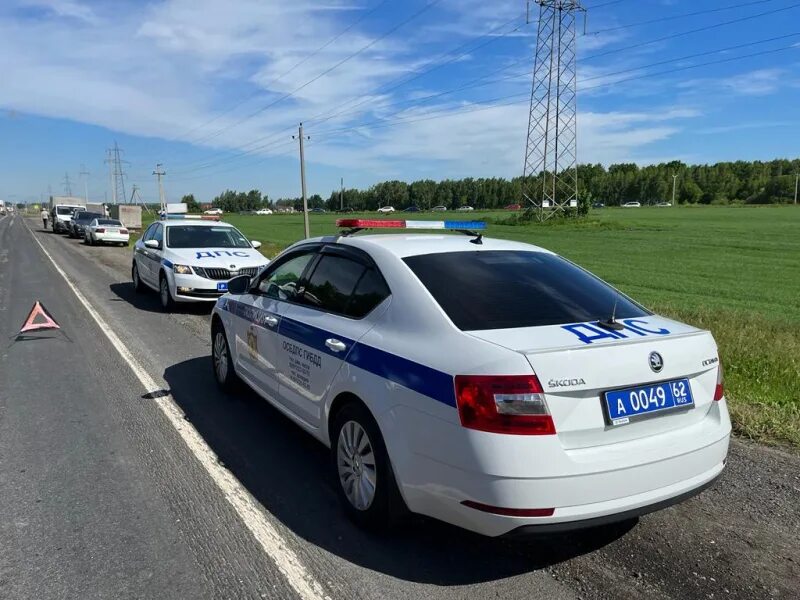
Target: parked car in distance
(439, 208)
(664, 204)
(317, 210)
(598, 205)
(465, 209)
(346, 210)
(386, 209)
(631, 205)
(80, 220)
(411, 209)
(106, 231)
(263, 211)
(213, 211)
(513, 207)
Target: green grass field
(733, 270)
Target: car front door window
(281, 283)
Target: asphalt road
(102, 496)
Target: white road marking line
(270, 539)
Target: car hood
(217, 257)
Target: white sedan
(187, 260)
(263, 211)
(386, 209)
(106, 231)
(490, 384)
(213, 211)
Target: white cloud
(760, 82)
(490, 141)
(66, 8)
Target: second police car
(490, 384)
(191, 260)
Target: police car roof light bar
(183, 217)
(404, 224)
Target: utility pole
(301, 137)
(674, 180)
(796, 185)
(67, 185)
(159, 172)
(85, 175)
(341, 193)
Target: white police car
(490, 384)
(189, 260)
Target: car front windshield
(65, 210)
(199, 236)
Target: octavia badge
(656, 362)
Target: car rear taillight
(100, 230)
(123, 231)
(512, 404)
(719, 391)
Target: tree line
(739, 182)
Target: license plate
(222, 286)
(624, 406)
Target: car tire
(222, 360)
(138, 286)
(167, 303)
(358, 451)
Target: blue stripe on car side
(166, 263)
(415, 376)
(402, 371)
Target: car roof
(413, 244)
(194, 222)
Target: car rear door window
(499, 289)
(370, 291)
(332, 283)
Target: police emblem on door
(252, 343)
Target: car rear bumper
(583, 488)
(115, 238)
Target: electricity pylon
(550, 174)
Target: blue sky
(214, 89)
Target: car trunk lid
(578, 363)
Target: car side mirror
(239, 284)
(152, 244)
(255, 244)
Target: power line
(325, 72)
(689, 32)
(502, 100)
(680, 16)
(268, 142)
(285, 73)
(383, 89)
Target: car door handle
(335, 345)
(271, 321)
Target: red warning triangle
(39, 319)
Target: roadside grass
(732, 270)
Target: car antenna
(611, 322)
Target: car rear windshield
(109, 222)
(197, 236)
(503, 289)
(86, 216)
